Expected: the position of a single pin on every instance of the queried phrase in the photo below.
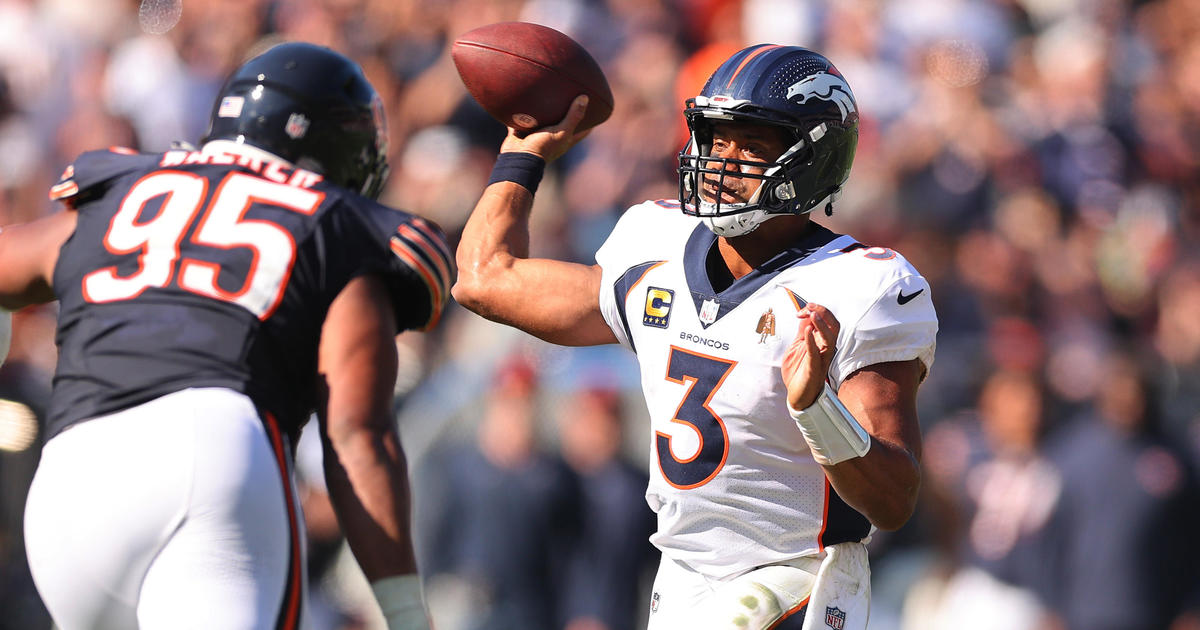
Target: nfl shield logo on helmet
(296, 127)
(835, 618)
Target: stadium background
(1037, 160)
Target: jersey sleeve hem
(914, 339)
(863, 361)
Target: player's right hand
(550, 143)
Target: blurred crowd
(1037, 160)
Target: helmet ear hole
(784, 192)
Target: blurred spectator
(507, 511)
(1122, 549)
(997, 491)
(23, 399)
(611, 561)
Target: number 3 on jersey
(223, 226)
(704, 375)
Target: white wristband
(399, 598)
(5, 333)
(832, 433)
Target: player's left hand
(806, 362)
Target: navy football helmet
(789, 87)
(311, 106)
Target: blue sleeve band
(524, 169)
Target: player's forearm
(28, 255)
(495, 236)
(366, 473)
(882, 485)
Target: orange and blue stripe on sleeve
(421, 246)
(93, 168)
(66, 186)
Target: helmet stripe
(748, 59)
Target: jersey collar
(232, 147)
(700, 286)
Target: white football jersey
(731, 477)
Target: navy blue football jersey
(216, 268)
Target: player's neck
(742, 254)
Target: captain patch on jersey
(658, 307)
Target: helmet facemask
(701, 177)
(787, 87)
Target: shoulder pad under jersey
(94, 169)
(421, 246)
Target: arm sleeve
(623, 261)
(890, 331)
(612, 258)
(415, 262)
(422, 258)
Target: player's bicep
(28, 254)
(883, 398)
(357, 359)
(553, 300)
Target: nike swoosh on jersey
(905, 299)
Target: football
(526, 75)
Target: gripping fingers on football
(550, 143)
(574, 116)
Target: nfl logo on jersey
(835, 618)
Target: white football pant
(176, 514)
(830, 592)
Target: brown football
(526, 75)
